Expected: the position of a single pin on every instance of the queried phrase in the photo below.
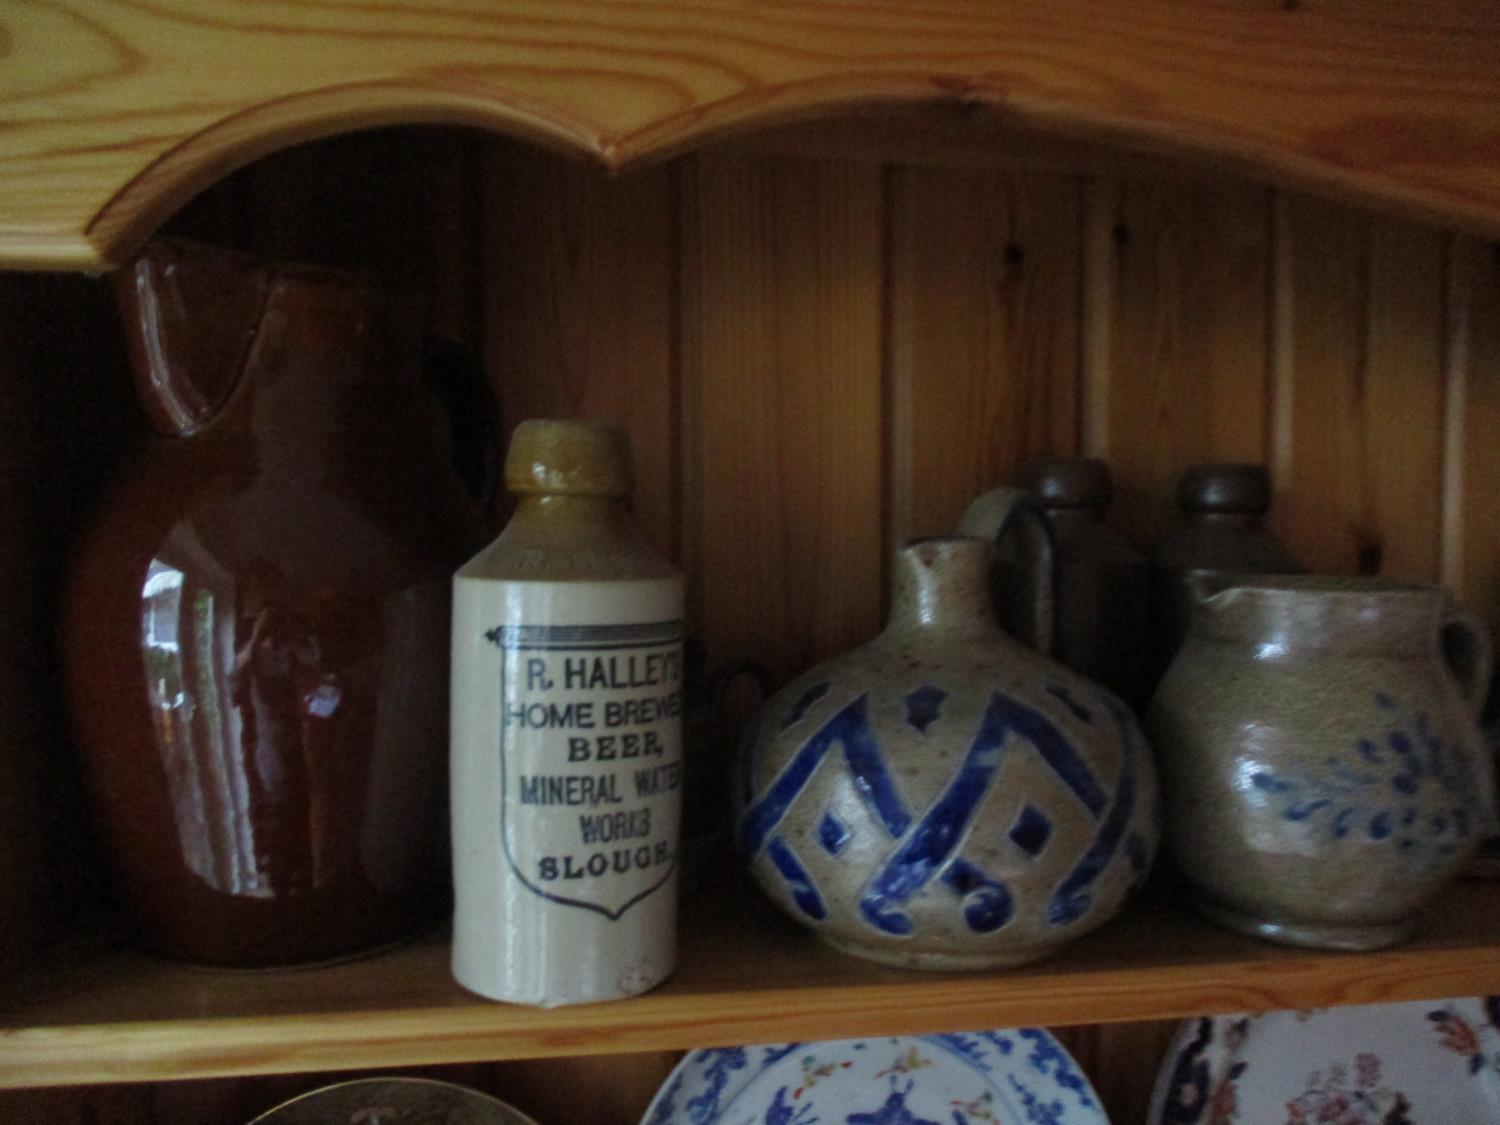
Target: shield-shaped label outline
(573, 638)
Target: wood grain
(1121, 1061)
(1362, 495)
(579, 295)
(781, 332)
(1480, 550)
(1188, 370)
(956, 134)
(744, 976)
(983, 330)
(117, 114)
(65, 422)
(23, 847)
(381, 201)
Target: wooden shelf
(115, 114)
(746, 976)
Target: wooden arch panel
(112, 112)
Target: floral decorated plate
(1433, 1062)
(1020, 1077)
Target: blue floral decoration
(1367, 789)
(1048, 1058)
(1038, 1112)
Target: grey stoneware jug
(1323, 770)
(944, 797)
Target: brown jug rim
(282, 269)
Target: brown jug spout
(190, 313)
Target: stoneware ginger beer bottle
(566, 762)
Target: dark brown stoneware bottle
(1102, 582)
(256, 629)
(1220, 529)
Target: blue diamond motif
(1031, 830)
(923, 706)
(832, 834)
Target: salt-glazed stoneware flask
(944, 797)
(1323, 771)
(567, 734)
(256, 625)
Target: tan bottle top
(572, 522)
(569, 459)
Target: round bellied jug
(944, 797)
(1323, 771)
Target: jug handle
(994, 514)
(1465, 644)
(454, 376)
(1469, 655)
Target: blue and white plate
(1432, 1062)
(1022, 1077)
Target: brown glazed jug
(256, 628)
(1103, 583)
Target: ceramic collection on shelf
(255, 628)
(254, 633)
(944, 797)
(971, 1078)
(1322, 766)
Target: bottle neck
(554, 515)
(1227, 521)
(1074, 517)
(941, 586)
(558, 505)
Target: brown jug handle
(1003, 511)
(454, 376)
(1470, 657)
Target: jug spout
(190, 314)
(1211, 590)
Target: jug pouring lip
(170, 248)
(1324, 612)
(1215, 586)
(193, 314)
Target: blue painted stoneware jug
(1323, 770)
(944, 797)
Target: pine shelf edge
(745, 976)
(113, 120)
